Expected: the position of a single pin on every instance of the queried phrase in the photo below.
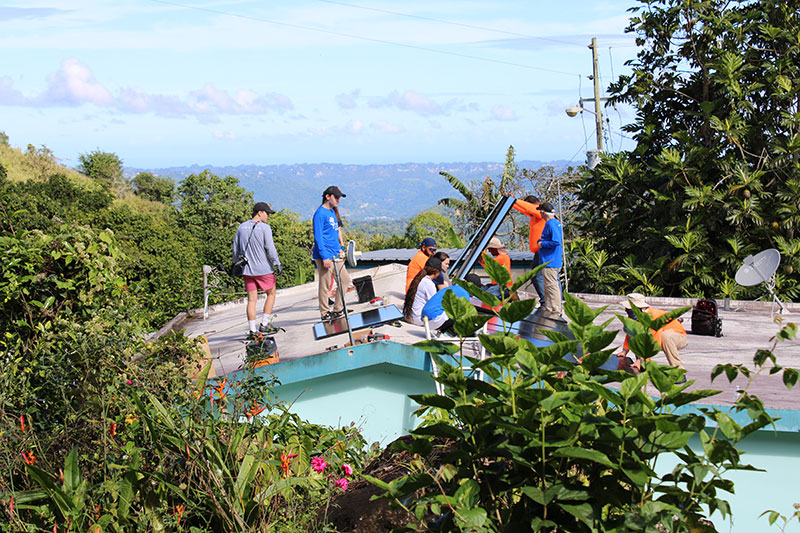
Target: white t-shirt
(425, 290)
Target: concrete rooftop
(747, 327)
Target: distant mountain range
(374, 192)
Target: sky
(212, 82)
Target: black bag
(705, 319)
(238, 266)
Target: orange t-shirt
(672, 324)
(505, 260)
(417, 263)
(537, 222)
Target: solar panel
(366, 319)
(477, 244)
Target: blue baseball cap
(428, 241)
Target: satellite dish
(761, 268)
(758, 268)
(351, 254)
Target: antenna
(760, 268)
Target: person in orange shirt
(671, 337)
(530, 207)
(500, 254)
(425, 252)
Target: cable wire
(360, 37)
(440, 21)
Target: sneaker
(268, 327)
(332, 315)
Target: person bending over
(671, 337)
(421, 290)
(434, 310)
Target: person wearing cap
(421, 290)
(530, 207)
(426, 250)
(550, 250)
(327, 247)
(671, 337)
(500, 254)
(253, 240)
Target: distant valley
(374, 192)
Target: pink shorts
(264, 283)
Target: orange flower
(178, 510)
(29, 457)
(112, 430)
(22, 423)
(254, 410)
(285, 460)
(220, 388)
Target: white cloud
(354, 127)
(387, 127)
(503, 113)
(348, 100)
(224, 134)
(9, 95)
(74, 84)
(412, 101)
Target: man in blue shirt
(326, 248)
(550, 251)
(254, 241)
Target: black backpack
(705, 319)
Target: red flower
(29, 457)
(22, 423)
(112, 429)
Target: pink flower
(341, 483)
(318, 464)
(348, 470)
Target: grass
(35, 164)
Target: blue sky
(164, 83)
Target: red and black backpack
(705, 318)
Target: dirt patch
(353, 511)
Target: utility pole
(598, 111)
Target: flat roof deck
(747, 327)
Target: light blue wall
(374, 398)
(755, 492)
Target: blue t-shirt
(551, 243)
(326, 234)
(433, 308)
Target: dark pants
(538, 280)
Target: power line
(451, 23)
(360, 37)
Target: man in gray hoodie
(254, 241)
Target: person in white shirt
(421, 290)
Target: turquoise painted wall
(374, 398)
(755, 492)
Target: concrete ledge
(659, 301)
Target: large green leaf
(433, 400)
(516, 311)
(497, 272)
(457, 307)
(487, 298)
(579, 312)
(584, 454)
